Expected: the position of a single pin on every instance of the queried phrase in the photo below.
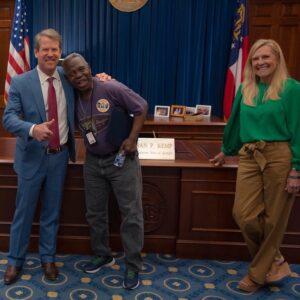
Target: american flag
(18, 56)
(238, 56)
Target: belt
(255, 150)
(102, 156)
(56, 149)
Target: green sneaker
(97, 262)
(131, 279)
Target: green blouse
(271, 120)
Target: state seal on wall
(128, 5)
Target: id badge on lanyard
(90, 131)
(90, 137)
(89, 126)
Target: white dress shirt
(61, 103)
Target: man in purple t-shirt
(98, 105)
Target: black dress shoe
(11, 274)
(50, 271)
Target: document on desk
(156, 148)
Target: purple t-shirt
(94, 114)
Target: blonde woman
(264, 129)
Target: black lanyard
(84, 112)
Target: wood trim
(187, 209)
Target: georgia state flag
(238, 56)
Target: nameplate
(156, 148)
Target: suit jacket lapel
(38, 95)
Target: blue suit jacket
(26, 107)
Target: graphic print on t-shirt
(97, 124)
(97, 119)
(102, 105)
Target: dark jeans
(101, 177)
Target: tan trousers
(262, 206)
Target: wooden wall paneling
(8, 187)
(288, 35)
(187, 207)
(279, 20)
(206, 226)
(160, 202)
(161, 197)
(178, 128)
(290, 247)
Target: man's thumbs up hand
(43, 132)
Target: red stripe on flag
(18, 69)
(238, 56)
(18, 56)
(27, 66)
(23, 56)
(245, 48)
(229, 94)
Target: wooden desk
(187, 206)
(182, 129)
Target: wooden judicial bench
(182, 129)
(187, 202)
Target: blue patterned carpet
(163, 277)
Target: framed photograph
(161, 111)
(177, 110)
(190, 110)
(204, 110)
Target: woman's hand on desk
(293, 182)
(218, 160)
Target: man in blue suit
(40, 112)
